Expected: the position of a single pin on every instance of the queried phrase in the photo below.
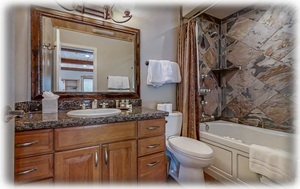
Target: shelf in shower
(224, 74)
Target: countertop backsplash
(32, 106)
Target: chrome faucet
(203, 76)
(104, 105)
(204, 91)
(203, 102)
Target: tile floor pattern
(209, 181)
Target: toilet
(188, 156)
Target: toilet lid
(191, 147)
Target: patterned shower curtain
(187, 98)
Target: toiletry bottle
(95, 104)
(117, 103)
(122, 104)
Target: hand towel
(118, 82)
(155, 71)
(276, 165)
(161, 72)
(176, 77)
(118, 90)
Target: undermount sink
(94, 113)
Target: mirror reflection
(84, 58)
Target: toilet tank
(174, 123)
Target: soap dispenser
(95, 104)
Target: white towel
(276, 165)
(118, 90)
(118, 82)
(161, 72)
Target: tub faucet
(206, 115)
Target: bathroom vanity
(129, 147)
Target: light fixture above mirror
(105, 12)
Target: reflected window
(76, 64)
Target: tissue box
(49, 106)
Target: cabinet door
(120, 162)
(81, 165)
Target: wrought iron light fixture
(105, 12)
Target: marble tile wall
(208, 51)
(261, 39)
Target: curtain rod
(202, 11)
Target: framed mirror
(81, 57)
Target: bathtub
(230, 143)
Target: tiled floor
(208, 180)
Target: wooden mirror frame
(36, 53)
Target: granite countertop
(38, 120)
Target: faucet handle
(83, 105)
(203, 102)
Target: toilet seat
(191, 147)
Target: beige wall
(22, 80)
(159, 28)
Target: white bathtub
(231, 156)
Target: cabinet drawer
(154, 127)
(33, 142)
(34, 168)
(151, 145)
(152, 168)
(75, 137)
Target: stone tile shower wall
(261, 40)
(208, 51)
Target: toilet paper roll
(168, 108)
(161, 107)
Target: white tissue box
(49, 106)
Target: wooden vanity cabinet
(152, 151)
(113, 159)
(115, 152)
(33, 155)
(80, 165)
(119, 163)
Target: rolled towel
(276, 165)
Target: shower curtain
(187, 97)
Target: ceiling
(219, 10)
